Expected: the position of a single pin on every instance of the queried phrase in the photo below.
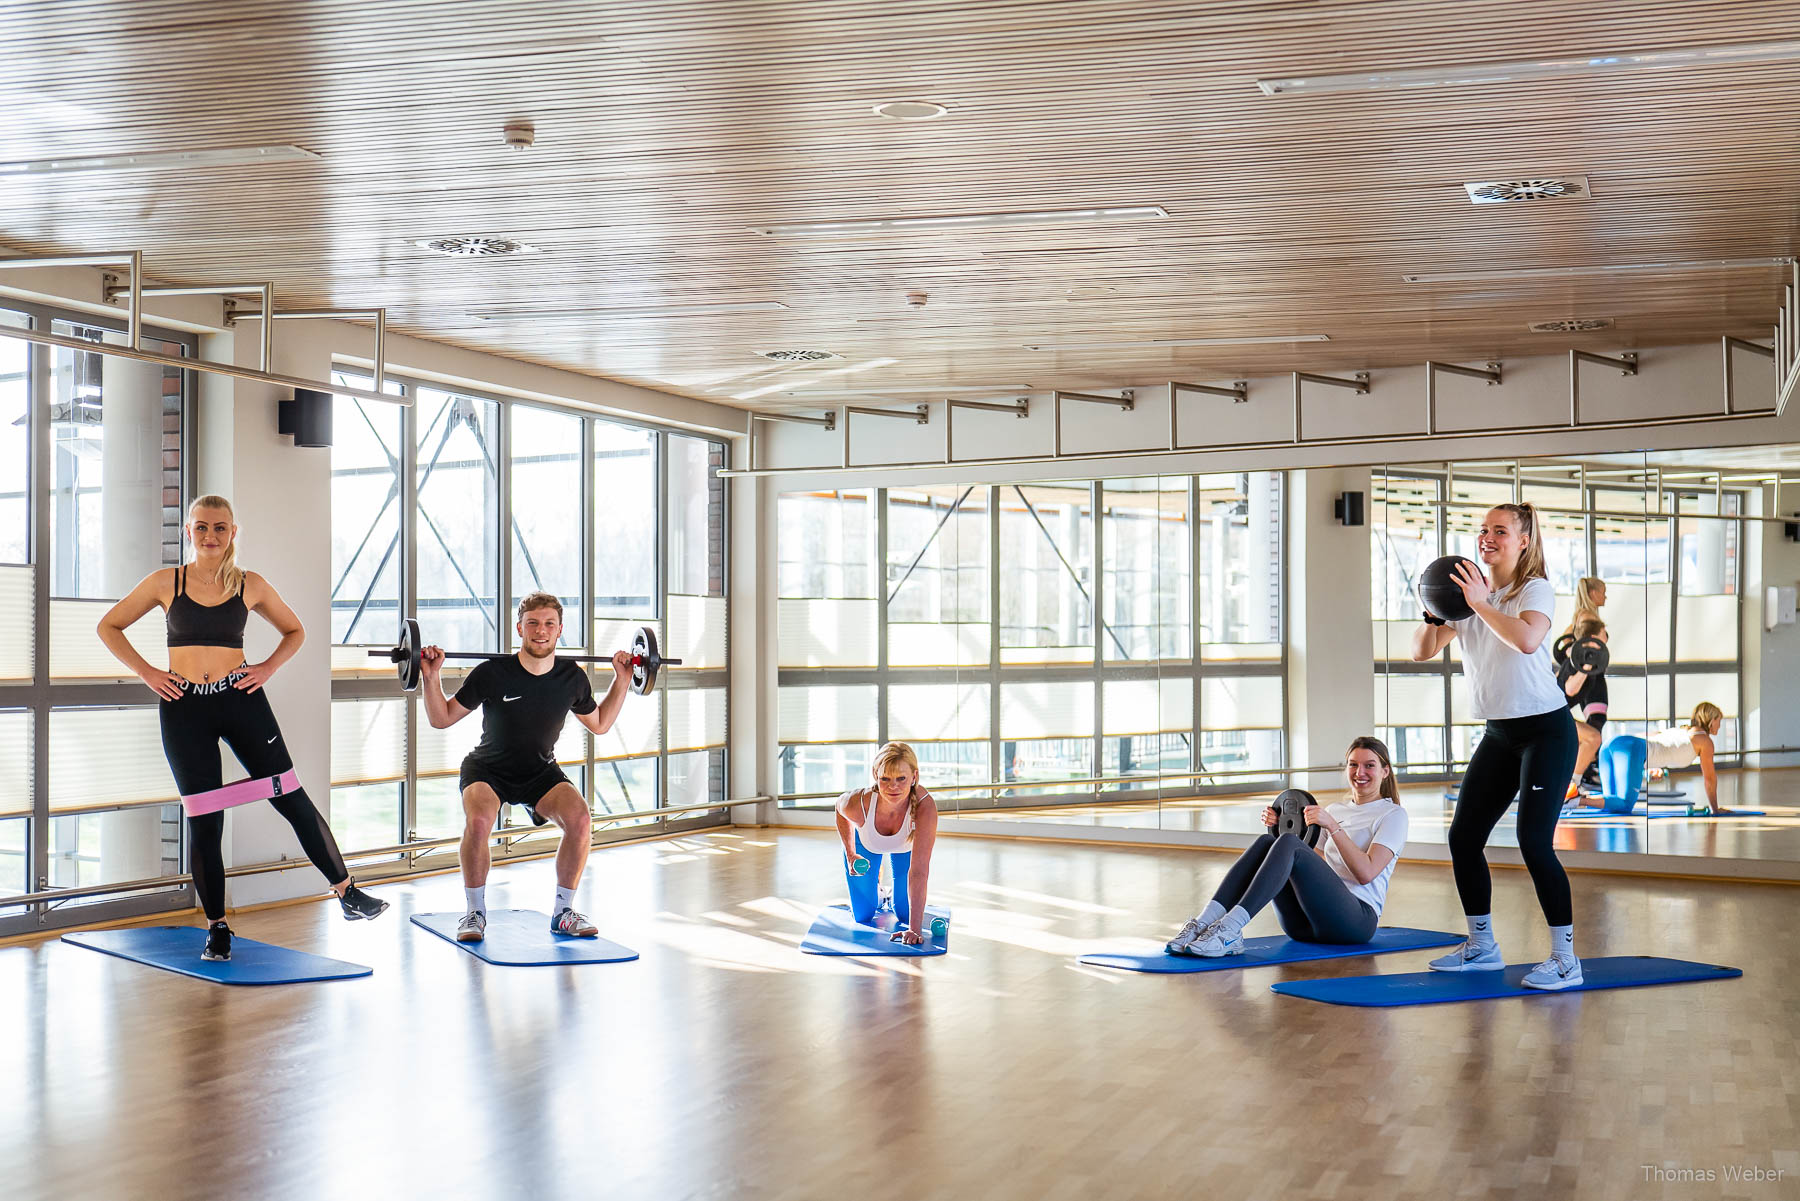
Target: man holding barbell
(524, 699)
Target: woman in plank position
(897, 818)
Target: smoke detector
(799, 356)
(519, 135)
(1518, 191)
(1572, 325)
(917, 300)
(477, 246)
(910, 110)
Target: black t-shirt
(522, 714)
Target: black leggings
(191, 730)
(1313, 903)
(1530, 758)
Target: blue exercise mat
(522, 938)
(833, 933)
(177, 949)
(1656, 812)
(1430, 988)
(1274, 948)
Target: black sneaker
(218, 943)
(359, 905)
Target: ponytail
(1531, 561)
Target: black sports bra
(193, 624)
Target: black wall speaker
(307, 417)
(1348, 508)
(1792, 530)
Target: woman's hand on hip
(165, 684)
(254, 676)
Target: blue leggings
(865, 889)
(1622, 764)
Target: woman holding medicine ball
(1528, 748)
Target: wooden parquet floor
(725, 1064)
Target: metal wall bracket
(1020, 408)
(1491, 373)
(1627, 364)
(132, 259)
(1239, 393)
(1357, 383)
(266, 350)
(1728, 344)
(919, 415)
(1125, 400)
(233, 316)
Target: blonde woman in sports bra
(897, 818)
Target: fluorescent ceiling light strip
(789, 385)
(909, 390)
(1448, 277)
(1154, 343)
(965, 221)
(603, 314)
(165, 160)
(1543, 68)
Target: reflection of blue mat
(177, 949)
(1657, 811)
(833, 933)
(1275, 948)
(1427, 988)
(522, 938)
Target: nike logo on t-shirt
(511, 698)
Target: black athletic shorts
(525, 788)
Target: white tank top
(1673, 747)
(875, 841)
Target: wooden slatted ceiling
(667, 130)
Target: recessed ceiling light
(604, 314)
(910, 110)
(477, 246)
(1158, 343)
(1449, 277)
(1543, 68)
(162, 160)
(963, 221)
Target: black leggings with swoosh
(1530, 758)
(192, 728)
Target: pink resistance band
(241, 793)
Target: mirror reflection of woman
(210, 693)
(1586, 690)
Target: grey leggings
(1313, 903)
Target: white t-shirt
(1379, 821)
(1502, 682)
(1673, 747)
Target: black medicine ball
(1441, 595)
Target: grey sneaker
(574, 925)
(1218, 943)
(1470, 956)
(1190, 933)
(473, 927)
(1554, 974)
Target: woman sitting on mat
(1332, 894)
(210, 693)
(1624, 760)
(896, 818)
(1586, 690)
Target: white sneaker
(573, 924)
(473, 927)
(1553, 974)
(1470, 957)
(1218, 943)
(1190, 933)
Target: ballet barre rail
(506, 837)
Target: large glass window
(15, 442)
(1046, 573)
(547, 517)
(458, 518)
(366, 510)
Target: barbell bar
(407, 656)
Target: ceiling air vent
(799, 356)
(477, 247)
(1574, 325)
(1517, 191)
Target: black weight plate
(1559, 650)
(643, 675)
(1589, 655)
(410, 667)
(1290, 811)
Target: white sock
(1234, 921)
(1481, 929)
(1212, 913)
(565, 899)
(476, 898)
(1562, 942)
